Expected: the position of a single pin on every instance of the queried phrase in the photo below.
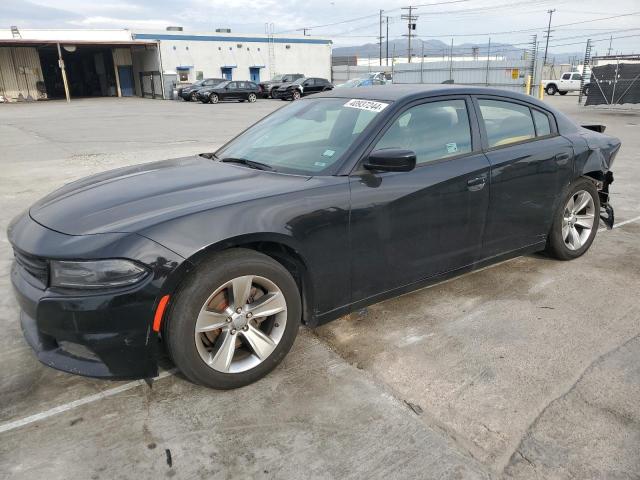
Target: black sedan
(301, 88)
(321, 208)
(190, 92)
(236, 90)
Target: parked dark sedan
(270, 85)
(190, 92)
(230, 90)
(323, 207)
(301, 88)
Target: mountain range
(435, 48)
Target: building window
(287, 47)
(247, 49)
(184, 75)
(187, 47)
(219, 48)
(174, 47)
(199, 75)
(230, 48)
(258, 48)
(239, 45)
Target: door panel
(408, 226)
(412, 225)
(125, 75)
(527, 181)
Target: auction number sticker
(369, 105)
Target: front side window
(506, 122)
(432, 130)
(307, 137)
(566, 76)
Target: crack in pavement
(589, 368)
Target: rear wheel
(576, 222)
(551, 89)
(214, 98)
(234, 320)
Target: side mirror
(391, 160)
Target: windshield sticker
(320, 164)
(328, 153)
(452, 147)
(369, 105)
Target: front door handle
(476, 184)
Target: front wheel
(551, 89)
(234, 320)
(214, 98)
(194, 97)
(576, 223)
(564, 92)
(295, 95)
(252, 98)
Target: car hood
(288, 84)
(133, 198)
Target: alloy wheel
(252, 97)
(241, 324)
(578, 220)
(213, 98)
(296, 95)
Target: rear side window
(432, 130)
(506, 122)
(543, 127)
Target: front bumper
(104, 334)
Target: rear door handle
(562, 158)
(476, 184)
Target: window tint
(506, 122)
(576, 76)
(309, 82)
(433, 130)
(543, 127)
(232, 85)
(566, 76)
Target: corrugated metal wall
(122, 56)
(19, 72)
(506, 74)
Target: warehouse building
(53, 64)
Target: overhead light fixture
(70, 48)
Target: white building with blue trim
(192, 56)
(40, 64)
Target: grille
(34, 266)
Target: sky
(472, 21)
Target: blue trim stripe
(218, 38)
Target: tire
(563, 93)
(585, 90)
(213, 98)
(295, 95)
(551, 89)
(271, 93)
(197, 294)
(193, 97)
(252, 98)
(566, 224)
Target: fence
(506, 74)
(614, 84)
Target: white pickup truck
(568, 82)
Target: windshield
(277, 78)
(223, 84)
(199, 82)
(307, 137)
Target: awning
(257, 66)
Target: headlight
(95, 274)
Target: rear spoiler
(595, 128)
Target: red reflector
(157, 319)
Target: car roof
(396, 92)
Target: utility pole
(387, 41)
(610, 40)
(546, 47)
(411, 24)
(380, 37)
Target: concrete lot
(527, 369)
